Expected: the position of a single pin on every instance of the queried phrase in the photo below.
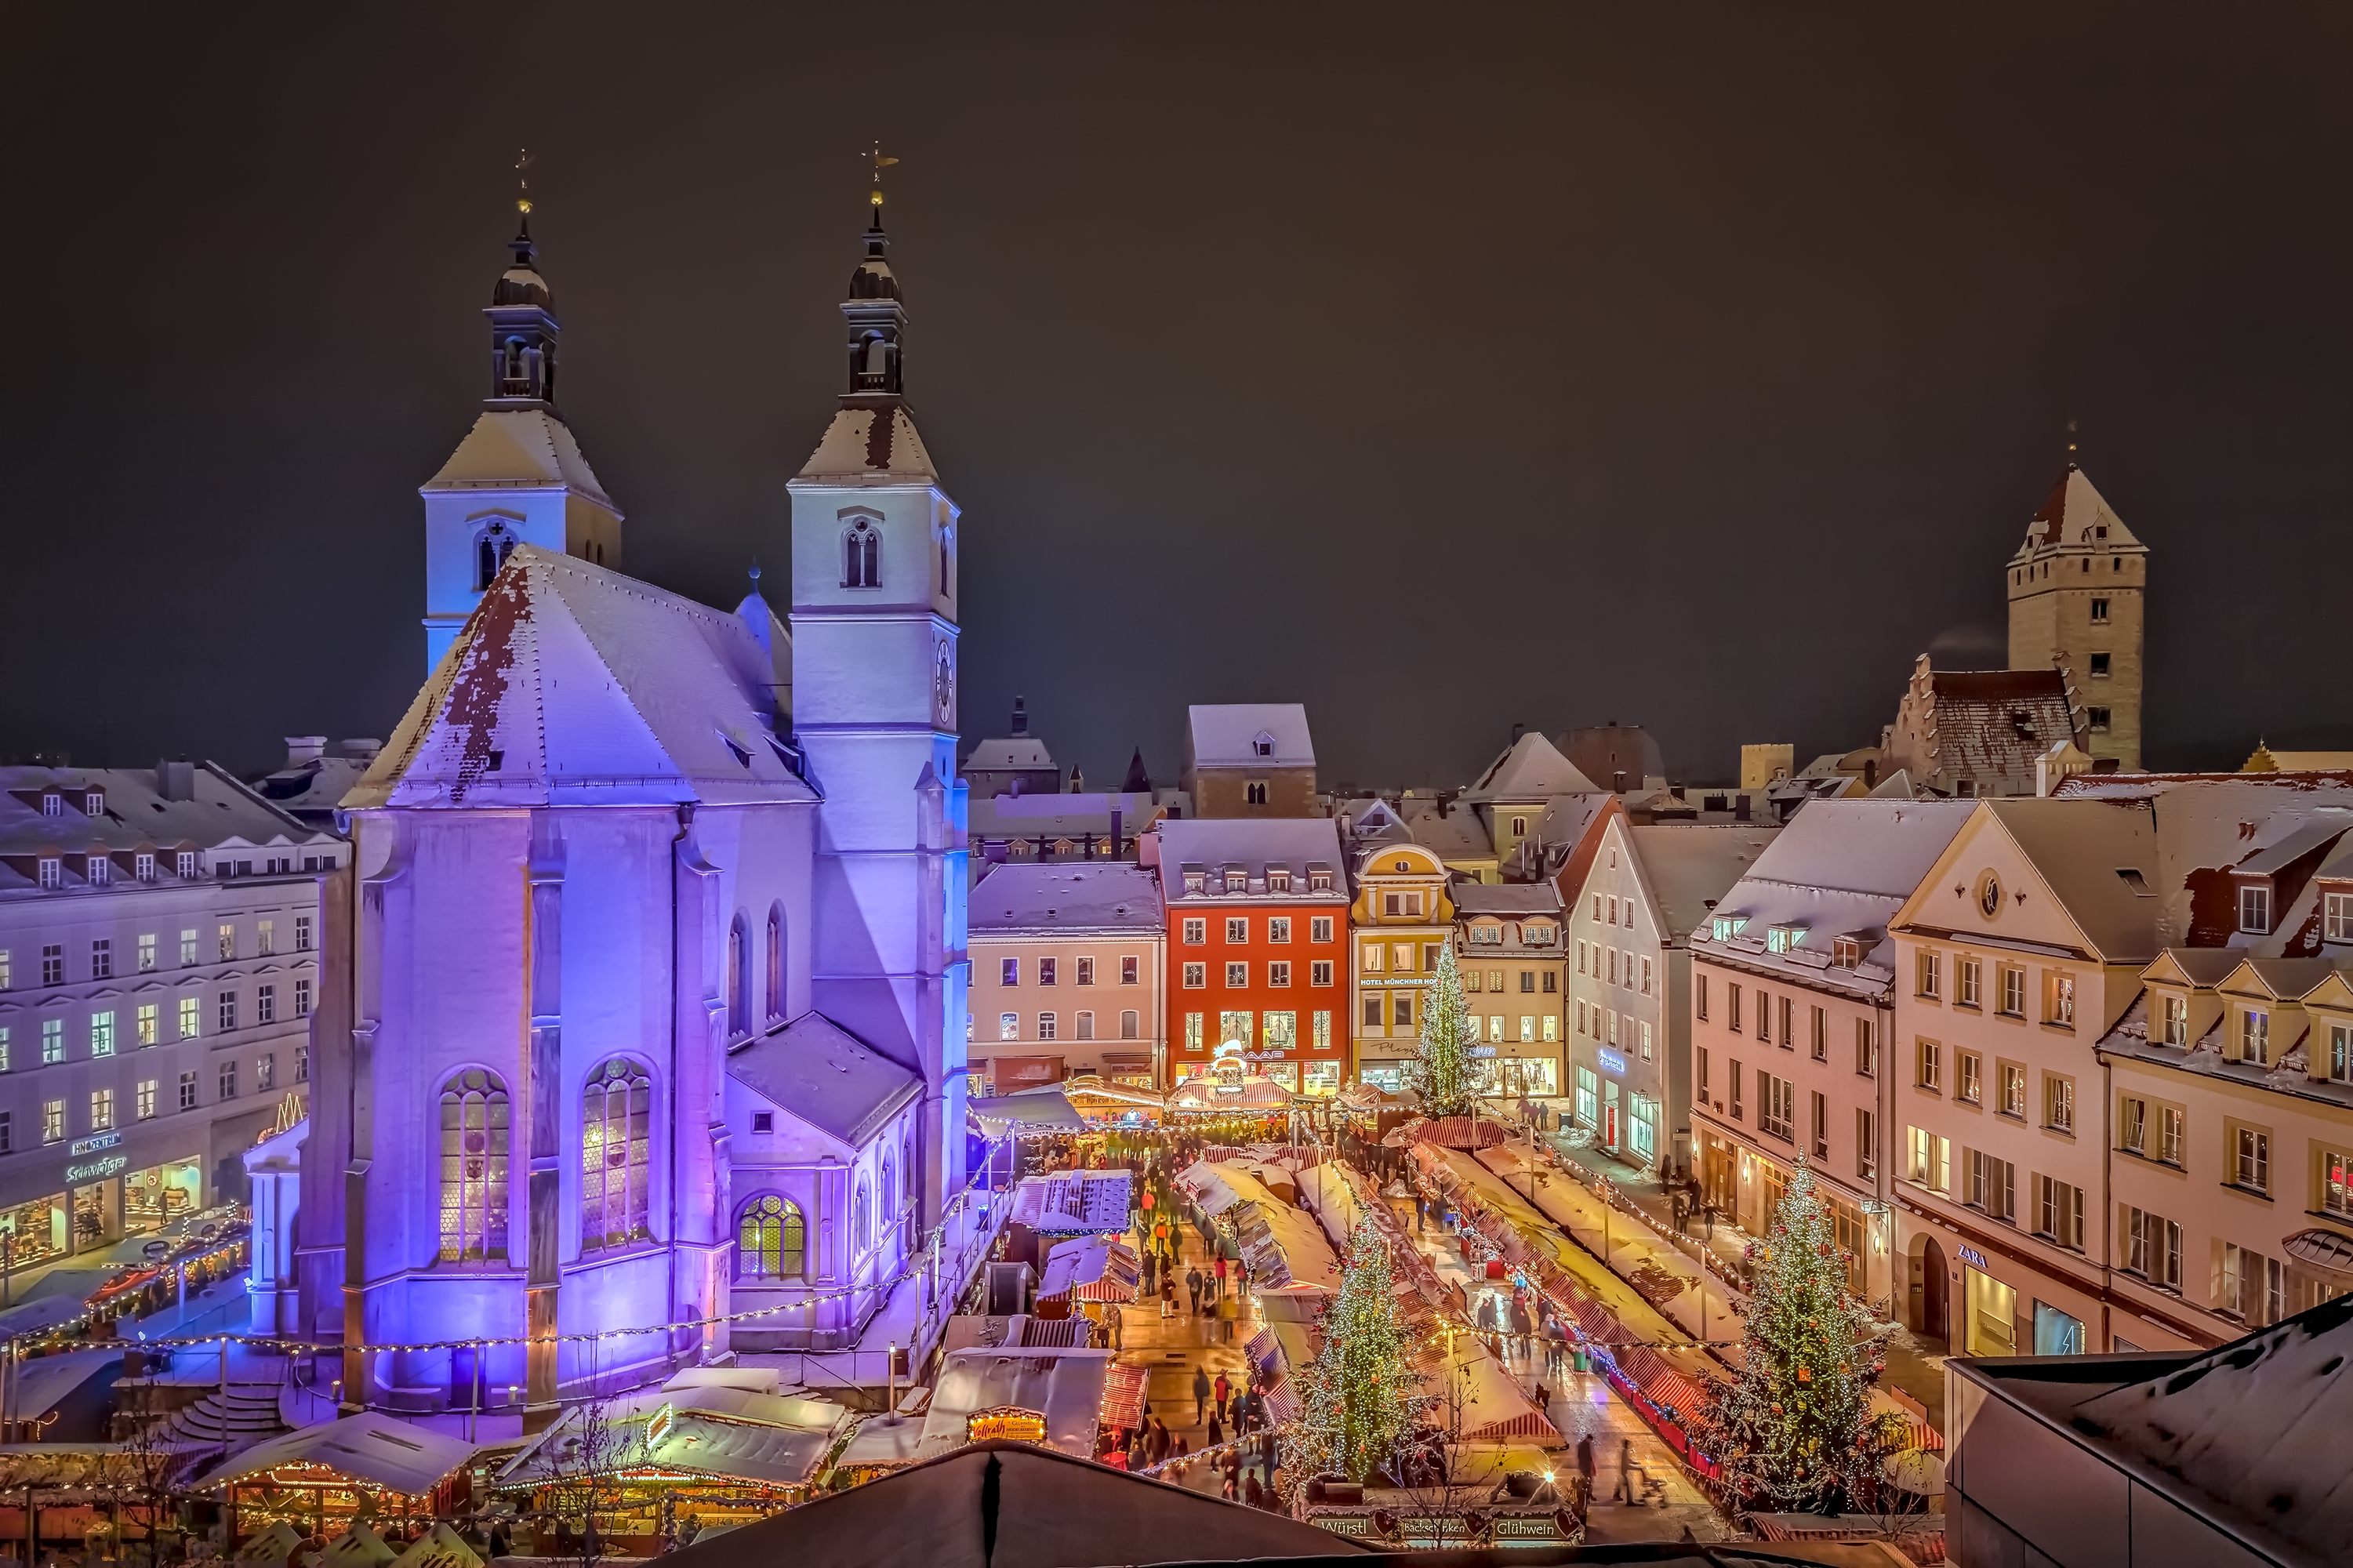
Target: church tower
(518, 478)
(2075, 591)
(875, 545)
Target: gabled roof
(820, 1074)
(518, 450)
(221, 812)
(379, 1451)
(2281, 979)
(2073, 515)
(1066, 899)
(1986, 723)
(1451, 832)
(2202, 967)
(1690, 866)
(871, 446)
(1225, 735)
(1510, 900)
(2078, 848)
(1297, 844)
(1529, 771)
(2212, 831)
(573, 685)
(1015, 754)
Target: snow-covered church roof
(573, 685)
(513, 449)
(873, 445)
(819, 1073)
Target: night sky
(1439, 367)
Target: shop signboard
(1612, 1062)
(97, 1169)
(92, 1145)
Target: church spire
(524, 329)
(876, 321)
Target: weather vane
(880, 164)
(524, 160)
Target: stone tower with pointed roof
(2075, 590)
(875, 542)
(518, 478)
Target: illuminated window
(770, 1240)
(616, 1154)
(473, 1168)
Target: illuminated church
(654, 1006)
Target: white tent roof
(368, 1447)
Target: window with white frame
(2336, 1184)
(1319, 929)
(1045, 1025)
(2012, 980)
(2337, 918)
(2175, 1020)
(1968, 1069)
(1196, 976)
(2010, 1086)
(1993, 1186)
(1196, 932)
(2253, 1287)
(2340, 1053)
(1866, 1142)
(1930, 1162)
(2059, 1212)
(2251, 1163)
(1237, 976)
(1776, 1106)
(2169, 1134)
(2255, 907)
(2152, 1248)
(1931, 1066)
(1968, 976)
(1008, 1026)
(1822, 1033)
(2255, 1035)
(2057, 1104)
(1929, 972)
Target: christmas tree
(1795, 1430)
(1439, 1071)
(1357, 1397)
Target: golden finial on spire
(880, 164)
(524, 160)
(2071, 440)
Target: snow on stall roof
(573, 685)
(1083, 897)
(1073, 1202)
(823, 1076)
(2078, 848)
(2256, 1425)
(1062, 1385)
(524, 448)
(1530, 769)
(1691, 865)
(1225, 734)
(375, 1449)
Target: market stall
(1086, 1271)
(320, 1478)
(1063, 1390)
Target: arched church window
(737, 981)
(889, 1187)
(770, 1240)
(878, 362)
(861, 547)
(776, 965)
(862, 1218)
(473, 1168)
(491, 552)
(616, 1154)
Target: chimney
(175, 781)
(302, 749)
(1740, 806)
(1020, 717)
(364, 751)
(1516, 728)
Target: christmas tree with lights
(1795, 1430)
(1440, 1068)
(1357, 1397)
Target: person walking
(1168, 1296)
(1222, 1389)
(1201, 1391)
(1221, 1276)
(1523, 1326)
(1585, 1464)
(1487, 1320)
(1217, 1432)
(1193, 1283)
(1627, 1470)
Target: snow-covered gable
(574, 684)
(2075, 514)
(1529, 771)
(1066, 900)
(821, 1075)
(1687, 867)
(516, 449)
(1231, 735)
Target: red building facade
(1258, 928)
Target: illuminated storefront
(33, 1231)
(155, 1198)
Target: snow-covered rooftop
(1065, 899)
(1529, 771)
(571, 684)
(2079, 848)
(1508, 900)
(872, 446)
(133, 816)
(819, 1073)
(1250, 734)
(2075, 514)
(1009, 755)
(1300, 846)
(1689, 866)
(520, 448)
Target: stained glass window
(473, 1168)
(772, 1242)
(616, 1155)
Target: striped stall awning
(1527, 1424)
(1660, 1382)
(1265, 1352)
(1123, 1396)
(1283, 1402)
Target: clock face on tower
(943, 687)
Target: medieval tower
(2075, 600)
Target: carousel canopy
(1073, 1202)
(1063, 1386)
(1014, 1505)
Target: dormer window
(1781, 939)
(1237, 879)
(1537, 936)
(1728, 926)
(93, 804)
(52, 872)
(2337, 917)
(1318, 881)
(1486, 935)
(1846, 952)
(1278, 878)
(143, 865)
(53, 803)
(1263, 745)
(99, 871)
(2255, 907)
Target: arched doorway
(1936, 1289)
